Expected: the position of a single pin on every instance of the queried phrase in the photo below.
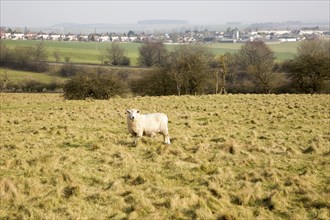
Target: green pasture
(282, 50)
(90, 52)
(79, 52)
(18, 76)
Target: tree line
(188, 69)
(193, 69)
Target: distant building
(235, 34)
(288, 39)
(17, 36)
(228, 40)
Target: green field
(231, 157)
(89, 52)
(17, 76)
(79, 52)
(282, 51)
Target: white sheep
(147, 124)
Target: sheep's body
(147, 124)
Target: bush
(125, 61)
(68, 70)
(33, 86)
(94, 85)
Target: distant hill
(163, 22)
(288, 25)
(96, 27)
(144, 25)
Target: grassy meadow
(231, 157)
(89, 52)
(18, 76)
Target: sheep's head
(132, 113)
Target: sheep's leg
(137, 137)
(166, 138)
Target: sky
(26, 13)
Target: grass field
(89, 52)
(282, 51)
(17, 76)
(231, 157)
(80, 52)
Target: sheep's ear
(128, 111)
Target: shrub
(125, 61)
(68, 69)
(94, 85)
(33, 86)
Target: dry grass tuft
(8, 190)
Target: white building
(17, 36)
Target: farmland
(231, 157)
(89, 52)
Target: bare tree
(117, 54)
(67, 59)
(221, 66)
(57, 55)
(152, 54)
(40, 54)
(257, 60)
(310, 70)
(189, 66)
(4, 80)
